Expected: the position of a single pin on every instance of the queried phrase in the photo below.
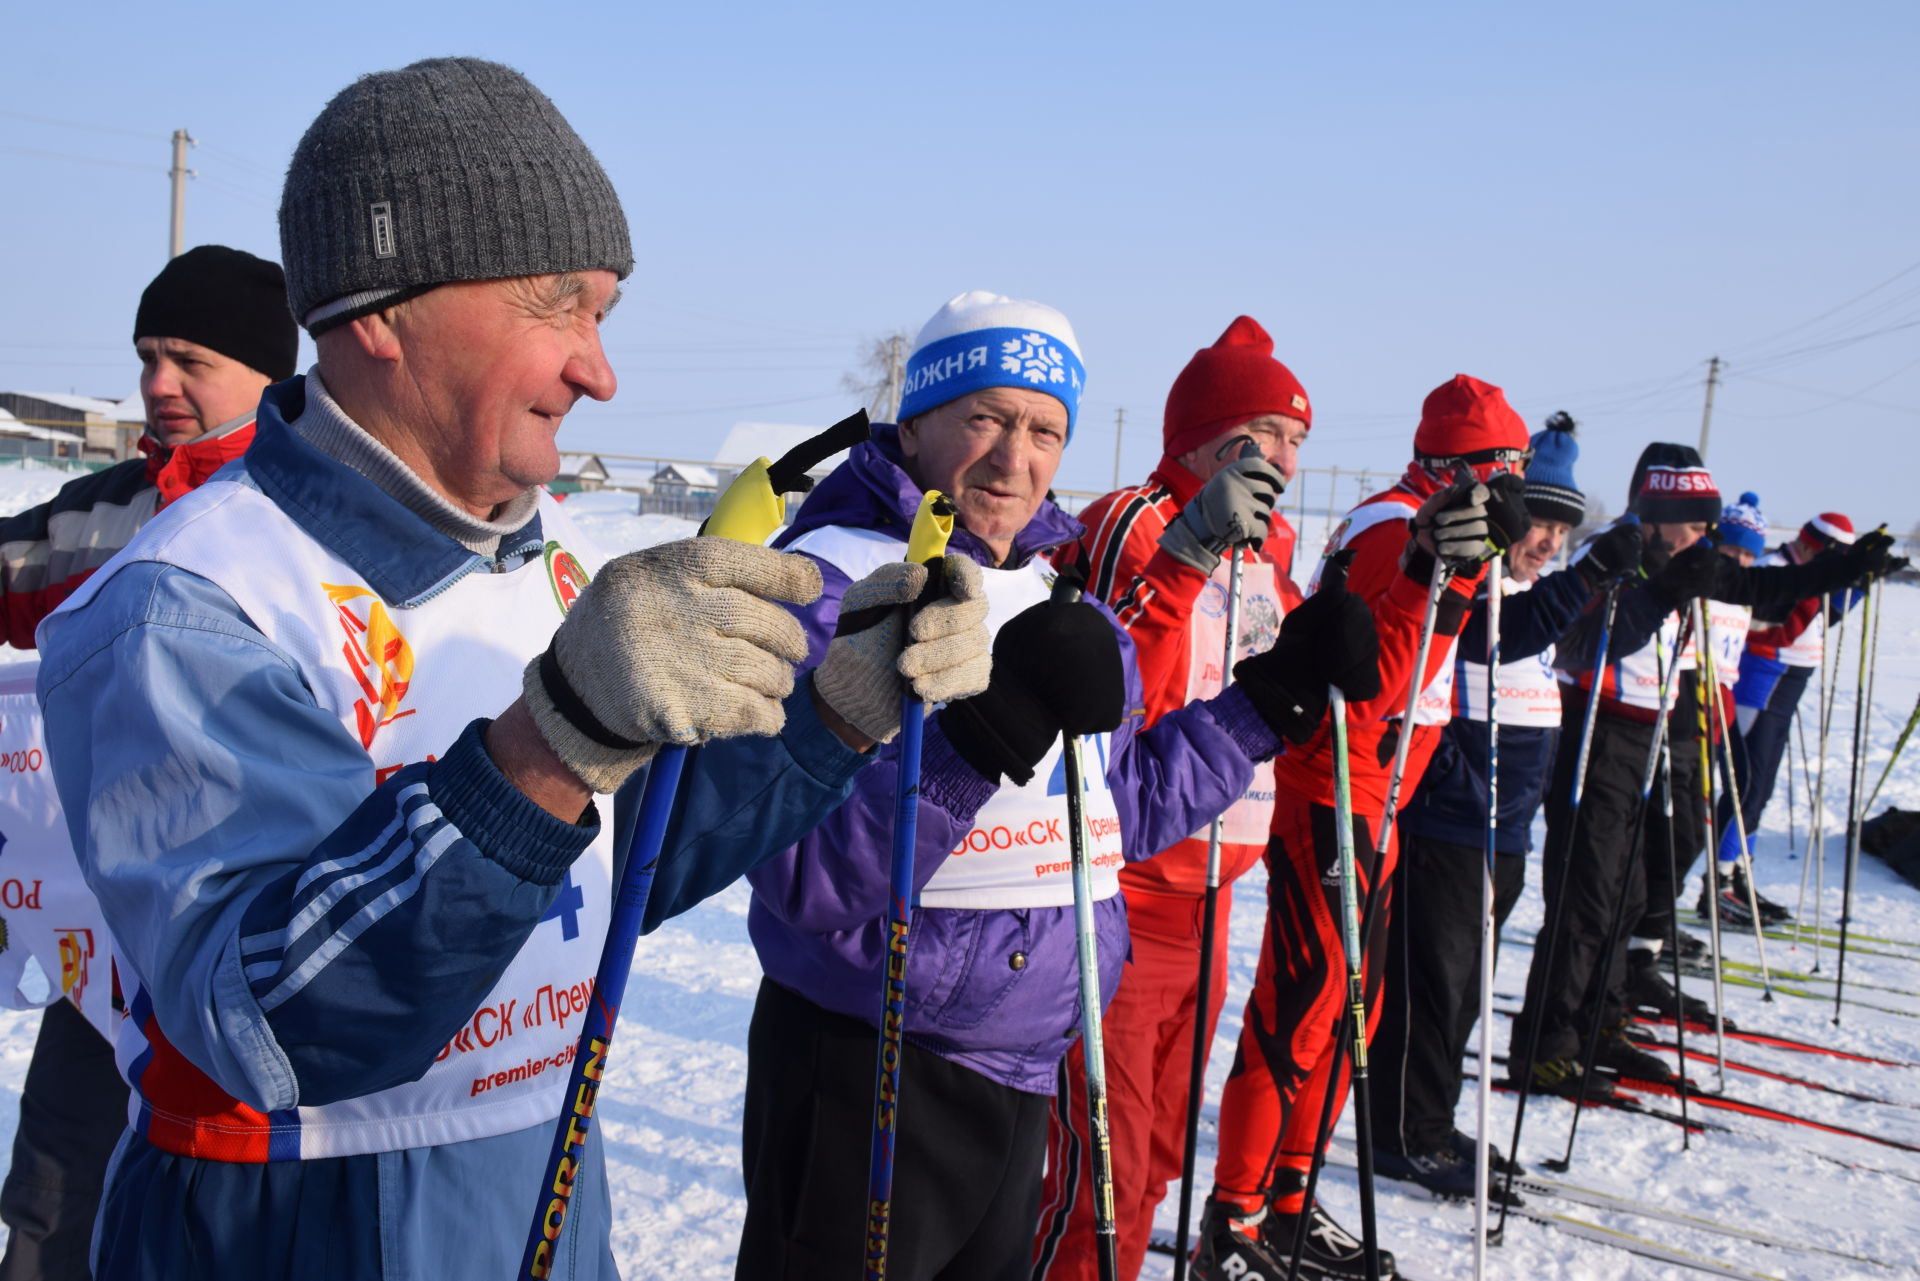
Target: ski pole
(1673, 938)
(1596, 986)
(1351, 1032)
(752, 507)
(1793, 837)
(1832, 641)
(1703, 625)
(1067, 591)
(926, 544)
(1869, 622)
(1209, 924)
(1713, 864)
(1560, 902)
(1489, 928)
(1899, 746)
(1813, 798)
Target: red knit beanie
(1235, 379)
(1465, 416)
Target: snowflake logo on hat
(1033, 358)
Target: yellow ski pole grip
(755, 504)
(932, 527)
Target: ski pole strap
(755, 504)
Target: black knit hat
(225, 300)
(1672, 486)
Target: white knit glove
(943, 651)
(678, 643)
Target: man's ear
(375, 335)
(910, 436)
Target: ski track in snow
(671, 1104)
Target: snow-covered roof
(12, 426)
(689, 475)
(745, 442)
(83, 404)
(582, 465)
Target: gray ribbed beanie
(450, 169)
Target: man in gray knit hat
(357, 906)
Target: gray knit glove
(943, 650)
(678, 643)
(1233, 509)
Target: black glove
(1689, 575)
(1611, 554)
(1056, 669)
(1328, 640)
(1507, 510)
(1870, 558)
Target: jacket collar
(872, 490)
(400, 555)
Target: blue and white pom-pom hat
(980, 340)
(1743, 525)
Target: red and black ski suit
(1177, 619)
(1284, 1066)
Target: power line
(1904, 271)
(84, 160)
(141, 134)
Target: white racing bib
(1248, 820)
(1017, 852)
(404, 683)
(1528, 690)
(1728, 625)
(53, 940)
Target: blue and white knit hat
(1551, 493)
(981, 340)
(1743, 525)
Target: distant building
(30, 440)
(686, 480)
(579, 473)
(109, 430)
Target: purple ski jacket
(992, 989)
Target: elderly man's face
(188, 390)
(994, 452)
(495, 365)
(1531, 555)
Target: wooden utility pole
(177, 231)
(896, 378)
(1706, 415)
(1119, 430)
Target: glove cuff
(997, 736)
(1290, 716)
(1180, 541)
(597, 756)
(862, 697)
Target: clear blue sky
(1580, 204)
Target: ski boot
(1465, 1147)
(1623, 1058)
(1562, 1077)
(1732, 903)
(1442, 1171)
(1648, 989)
(1771, 913)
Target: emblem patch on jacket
(568, 576)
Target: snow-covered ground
(671, 1107)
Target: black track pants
(967, 1165)
(1432, 993)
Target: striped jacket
(46, 552)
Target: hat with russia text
(1672, 486)
(1743, 525)
(980, 340)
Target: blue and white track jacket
(355, 954)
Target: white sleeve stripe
(365, 919)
